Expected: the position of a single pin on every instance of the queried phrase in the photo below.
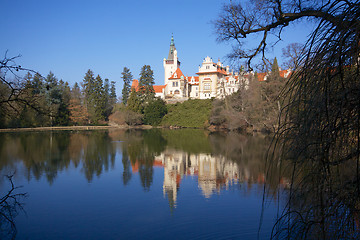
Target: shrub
(118, 118)
(133, 118)
(125, 117)
(154, 112)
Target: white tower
(172, 62)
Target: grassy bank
(193, 113)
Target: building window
(177, 92)
(176, 83)
(206, 86)
(207, 67)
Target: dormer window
(207, 67)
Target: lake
(140, 184)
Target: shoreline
(86, 128)
(60, 128)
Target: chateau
(213, 80)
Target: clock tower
(172, 62)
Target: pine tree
(107, 101)
(146, 83)
(127, 78)
(37, 83)
(99, 100)
(112, 93)
(89, 94)
(52, 95)
(135, 102)
(63, 113)
(275, 74)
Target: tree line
(256, 106)
(139, 103)
(37, 101)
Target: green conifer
(127, 78)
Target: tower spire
(172, 48)
(172, 40)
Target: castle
(213, 80)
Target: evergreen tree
(76, 91)
(37, 83)
(154, 112)
(112, 93)
(275, 74)
(63, 114)
(88, 84)
(127, 78)
(99, 100)
(146, 83)
(135, 102)
(106, 98)
(28, 80)
(52, 95)
(89, 94)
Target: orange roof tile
(178, 74)
(261, 77)
(158, 88)
(135, 85)
(219, 70)
(284, 72)
(196, 80)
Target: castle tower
(172, 62)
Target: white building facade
(213, 80)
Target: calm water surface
(151, 184)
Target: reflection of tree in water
(99, 154)
(249, 153)
(10, 205)
(142, 147)
(322, 203)
(47, 153)
(126, 165)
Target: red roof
(158, 88)
(196, 80)
(178, 74)
(284, 72)
(135, 85)
(261, 76)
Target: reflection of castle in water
(213, 172)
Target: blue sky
(70, 37)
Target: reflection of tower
(213, 172)
(207, 174)
(174, 166)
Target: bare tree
(293, 53)
(265, 18)
(320, 131)
(14, 94)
